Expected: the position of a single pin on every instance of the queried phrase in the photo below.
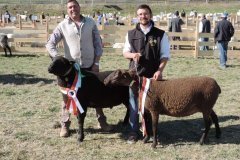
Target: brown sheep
(176, 97)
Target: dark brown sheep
(92, 93)
(176, 97)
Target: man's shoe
(64, 132)
(133, 138)
(223, 67)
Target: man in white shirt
(148, 50)
(83, 45)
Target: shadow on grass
(19, 55)
(233, 66)
(182, 132)
(21, 79)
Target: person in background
(204, 27)
(222, 35)
(148, 50)
(192, 14)
(175, 26)
(43, 15)
(106, 21)
(99, 18)
(183, 14)
(82, 44)
(7, 16)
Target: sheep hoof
(80, 139)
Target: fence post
(47, 29)
(3, 20)
(20, 22)
(34, 24)
(186, 21)
(214, 23)
(197, 37)
(236, 20)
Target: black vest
(149, 47)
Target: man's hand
(136, 57)
(157, 76)
(95, 68)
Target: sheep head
(123, 78)
(60, 66)
(120, 77)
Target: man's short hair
(74, 1)
(145, 6)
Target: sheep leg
(207, 122)
(81, 118)
(148, 125)
(215, 121)
(155, 117)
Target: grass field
(30, 104)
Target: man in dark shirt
(204, 27)
(222, 35)
(175, 25)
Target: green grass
(30, 105)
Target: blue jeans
(222, 46)
(134, 117)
